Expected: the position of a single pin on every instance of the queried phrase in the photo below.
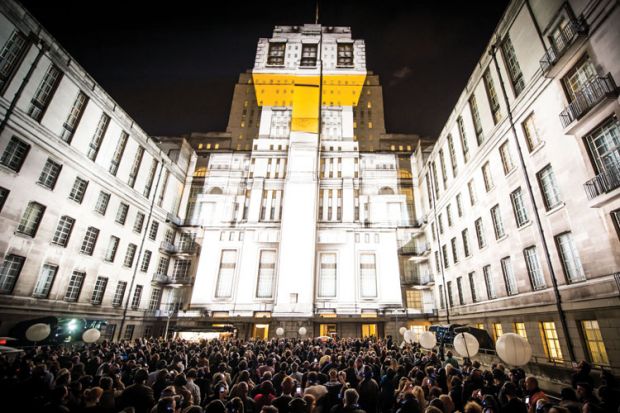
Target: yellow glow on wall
(302, 94)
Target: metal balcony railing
(418, 279)
(167, 279)
(416, 250)
(566, 38)
(605, 182)
(593, 92)
(182, 248)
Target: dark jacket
(139, 396)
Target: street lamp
(172, 308)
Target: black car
(445, 334)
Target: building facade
(522, 189)
(308, 228)
(85, 193)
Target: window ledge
(555, 208)
(503, 237)
(526, 225)
(23, 235)
(8, 170)
(45, 186)
(511, 172)
(537, 148)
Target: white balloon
(279, 331)
(513, 349)
(38, 332)
(91, 335)
(408, 336)
(466, 344)
(402, 330)
(428, 340)
(302, 331)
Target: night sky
(173, 65)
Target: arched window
(386, 190)
(216, 191)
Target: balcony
(180, 222)
(168, 280)
(568, 36)
(592, 93)
(603, 183)
(423, 279)
(417, 250)
(182, 248)
(173, 219)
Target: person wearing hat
(138, 395)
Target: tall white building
(305, 230)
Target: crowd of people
(280, 376)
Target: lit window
(594, 340)
(550, 340)
(520, 330)
(497, 330)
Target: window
(308, 55)
(533, 268)
(90, 240)
(110, 253)
(452, 152)
(509, 276)
(78, 190)
(444, 252)
(518, 206)
(472, 286)
(99, 290)
(504, 152)
(464, 145)
(10, 56)
(514, 70)
(138, 223)
(437, 262)
(63, 231)
(155, 300)
(442, 303)
(164, 263)
(475, 117)
(49, 174)
(549, 187)
(465, 236)
(73, 119)
(75, 286)
(146, 260)
(594, 341)
(135, 167)
(459, 204)
(472, 192)
(497, 330)
(486, 175)
(15, 153)
(29, 223)
(531, 133)
(137, 296)
(450, 299)
(181, 269)
(570, 258)
(108, 333)
(345, 54)
(459, 288)
(578, 80)
(153, 230)
(492, 96)
(449, 214)
(444, 174)
(266, 273)
(4, 194)
(118, 153)
(44, 282)
(117, 301)
(44, 93)
(95, 143)
(482, 242)
(368, 275)
(550, 340)
(228, 262)
(414, 299)
(435, 181)
(102, 203)
(9, 272)
(121, 214)
(489, 282)
(150, 178)
(129, 255)
(520, 330)
(440, 222)
(276, 54)
(455, 255)
(129, 332)
(604, 145)
(498, 225)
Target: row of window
(277, 51)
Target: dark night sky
(172, 66)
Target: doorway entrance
(261, 331)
